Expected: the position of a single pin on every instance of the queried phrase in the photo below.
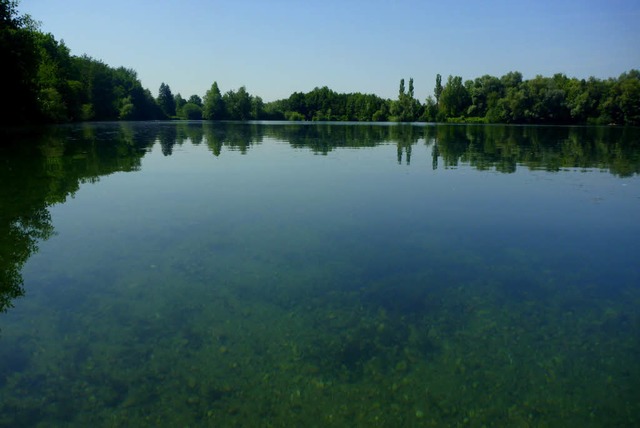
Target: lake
(311, 275)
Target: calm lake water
(254, 275)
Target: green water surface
(312, 275)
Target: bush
(294, 116)
(191, 111)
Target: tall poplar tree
(437, 91)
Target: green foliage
(51, 77)
(621, 104)
(487, 99)
(127, 109)
(19, 54)
(179, 102)
(81, 88)
(274, 110)
(233, 105)
(454, 99)
(430, 112)
(52, 105)
(166, 101)
(86, 112)
(381, 115)
(238, 104)
(513, 79)
(323, 104)
(629, 99)
(191, 111)
(406, 108)
(213, 105)
(257, 108)
(195, 99)
(96, 91)
(297, 103)
(294, 116)
(437, 91)
(467, 119)
(484, 92)
(10, 19)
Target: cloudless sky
(277, 47)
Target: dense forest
(45, 83)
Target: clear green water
(189, 274)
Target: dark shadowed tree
(166, 101)
(191, 111)
(512, 79)
(19, 57)
(485, 92)
(257, 108)
(297, 103)
(238, 104)
(194, 99)
(430, 110)
(621, 104)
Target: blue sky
(278, 47)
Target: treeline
(45, 83)
(324, 104)
(508, 99)
(541, 100)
